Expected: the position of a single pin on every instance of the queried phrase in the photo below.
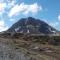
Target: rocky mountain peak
(31, 25)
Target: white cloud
(2, 26)
(55, 24)
(11, 3)
(6, 5)
(34, 8)
(25, 9)
(2, 7)
(59, 17)
(1, 23)
(11, 20)
(1, 0)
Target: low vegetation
(35, 47)
(53, 40)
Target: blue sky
(46, 10)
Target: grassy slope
(34, 48)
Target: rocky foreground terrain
(7, 51)
(14, 48)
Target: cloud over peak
(25, 9)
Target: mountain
(31, 25)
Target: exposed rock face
(31, 25)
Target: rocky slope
(20, 49)
(7, 52)
(31, 25)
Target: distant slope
(31, 25)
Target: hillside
(23, 41)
